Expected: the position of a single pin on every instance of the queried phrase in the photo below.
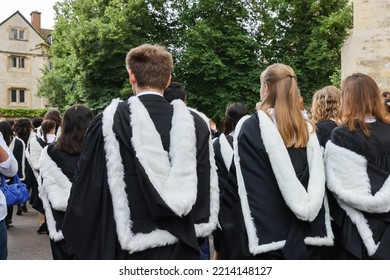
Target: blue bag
(15, 193)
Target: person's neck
(143, 90)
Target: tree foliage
(305, 34)
(219, 47)
(219, 64)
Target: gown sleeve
(89, 227)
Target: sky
(8, 7)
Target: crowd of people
(151, 178)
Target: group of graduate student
(299, 188)
(149, 182)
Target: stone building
(24, 51)
(367, 50)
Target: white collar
(149, 92)
(370, 119)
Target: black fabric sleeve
(88, 226)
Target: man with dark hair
(175, 91)
(146, 185)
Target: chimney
(36, 20)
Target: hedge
(19, 113)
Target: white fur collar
(346, 174)
(173, 175)
(226, 151)
(54, 191)
(283, 160)
(54, 182)
(204, 229)
(139, 242)
(304, 204)
(202, 115)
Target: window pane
(14, 33)
(21, 34)
(13, 61)
(21, 62)
(13, 95)
(21, 96)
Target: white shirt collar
(370, 119)
(149, 92)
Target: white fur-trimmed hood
(346, 173)
(304, 204)
(173, 175)
(165, 175)
(54, 182)
(54, 190)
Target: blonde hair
(282, 85)
(361, 97)
(326, 104)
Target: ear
(169, 81)
(132, 78)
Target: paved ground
(25, 244)
(23, 241)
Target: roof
(44, 32)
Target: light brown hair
(326, 104)
(151, 65)
(282, 85)
(361, 97)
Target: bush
(19, 113)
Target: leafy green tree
(91, 39)
(218, 63)
(305, 34)
(219, 47)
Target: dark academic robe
(324, 130)
(143, 186)
(230, 239)
(357, 172)
(282, 192)
(57, 169)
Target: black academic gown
(324, 130)
(56, 175)
(282, 197)
(230, 239)
(357, 171)
(116, 209)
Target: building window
(18, 96)
(17, 33)
(17, 61)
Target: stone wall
(367, 50)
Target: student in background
(58, 163)
(281, 176)
(357, 171)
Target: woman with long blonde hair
(357, 171)
(325, 112)
(280, 175)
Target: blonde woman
(280, 175)
(357, 172)
(325, 112)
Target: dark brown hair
(47, 126)
(23, 128)
(233, 114)
(55, 116)
(6, 130)
(74, 126)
